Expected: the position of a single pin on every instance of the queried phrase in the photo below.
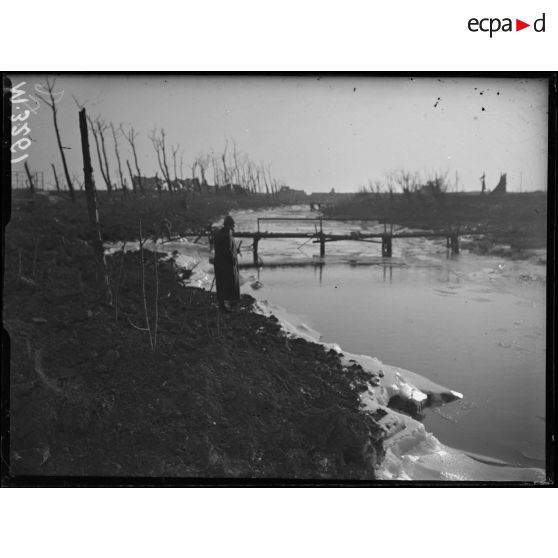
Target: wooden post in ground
(322, 245)
(386, 246)
(255, 250)
(30, 179)
(92, 210)
(454, 244)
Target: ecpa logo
(494, 24)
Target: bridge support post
(255, 251)
(386, 246)
(454, 244)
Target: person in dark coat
(225, 264)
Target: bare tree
(115, 139)
(235, 161)
(270, 180)
(216, 172)
(131, 175)
(50, 98)
(257, 171)
(437, 183)
(92, 210)
(30, 180)
(101, 128)
(131, 136)
(249, 173)
(55, 177)
(226, 177)
(94, 130)
(174, 151)
(159, 144)
(202, 161)
(164, 158)
(407, 181)
(193, 168)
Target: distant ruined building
(501, 186)
(290, 195)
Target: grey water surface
(475, 324)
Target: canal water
(471, 323)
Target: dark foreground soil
(218, 395)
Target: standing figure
(226, 265)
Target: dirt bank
(219, 395)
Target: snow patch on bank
(410, 387)
(412, 453)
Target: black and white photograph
(276, 278)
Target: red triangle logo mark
(519, 25)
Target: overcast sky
(315, 133)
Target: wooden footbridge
(321, 237)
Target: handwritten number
(22, 143)
(23, 129)
(21, 117)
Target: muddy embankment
(160, 383)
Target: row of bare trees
(408, 183)
(98, 128)
(231, 169)
(234, 167)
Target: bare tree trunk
(156, 146)
(92, 210)
(101, 128)
(55, 177)
(258, 179)
(224, 160)
(131, 175)
(52, 104)
(62, 154)
(131, 137)
(264, 177)
(216, 177)
(160, 150)
(158, 183)
(174, 151)
(101, 165)
(193, 168)
(166, 169)
(30, 179)
(235, 159)
(115, 138)
(64, 164)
